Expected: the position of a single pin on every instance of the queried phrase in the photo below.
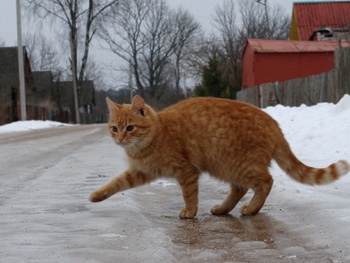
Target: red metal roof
(286, 46)
(311, 16)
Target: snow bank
(318, 134)
(29, 125)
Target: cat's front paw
(246, 210)
(98, 196)
(219, 210)
(187, 213)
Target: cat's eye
(130, 128)
(114, 129)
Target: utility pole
(264, 3)
(22, 87)
(75, 88)
(130, 81)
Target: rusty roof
(311, 16)
(287, 46)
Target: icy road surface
(45, 216)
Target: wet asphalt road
(45, 216)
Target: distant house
(9, 84)
(45, 99)
(320, 20)
(64, 98)
(43, 85)
(317, 29)
(43, 94)
(266, 61)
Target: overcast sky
(202, 10)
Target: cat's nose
(121, 139)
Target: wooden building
(309, 17)
(266, 61)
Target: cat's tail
(306, 174)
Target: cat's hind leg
(261, 184)
(236, 194)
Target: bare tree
(229, 44)
(161, 36)
(187, 44)
(2, 43)
(199, 57)
(256, 22)
(125, 36)
(80, 18)
(146, 34)
(43, 53)
(263, 21)
(94, 71)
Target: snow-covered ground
(29, 126)
(318, 135)
(46, 216)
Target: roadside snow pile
(30, 125)
(318, 133)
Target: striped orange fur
(232, 141)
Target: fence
(327, 87)
(42, 113)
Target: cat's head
(132, 126)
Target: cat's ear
(138, 105)
(111, 105)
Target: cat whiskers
(125, 143)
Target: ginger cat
(232, 141)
